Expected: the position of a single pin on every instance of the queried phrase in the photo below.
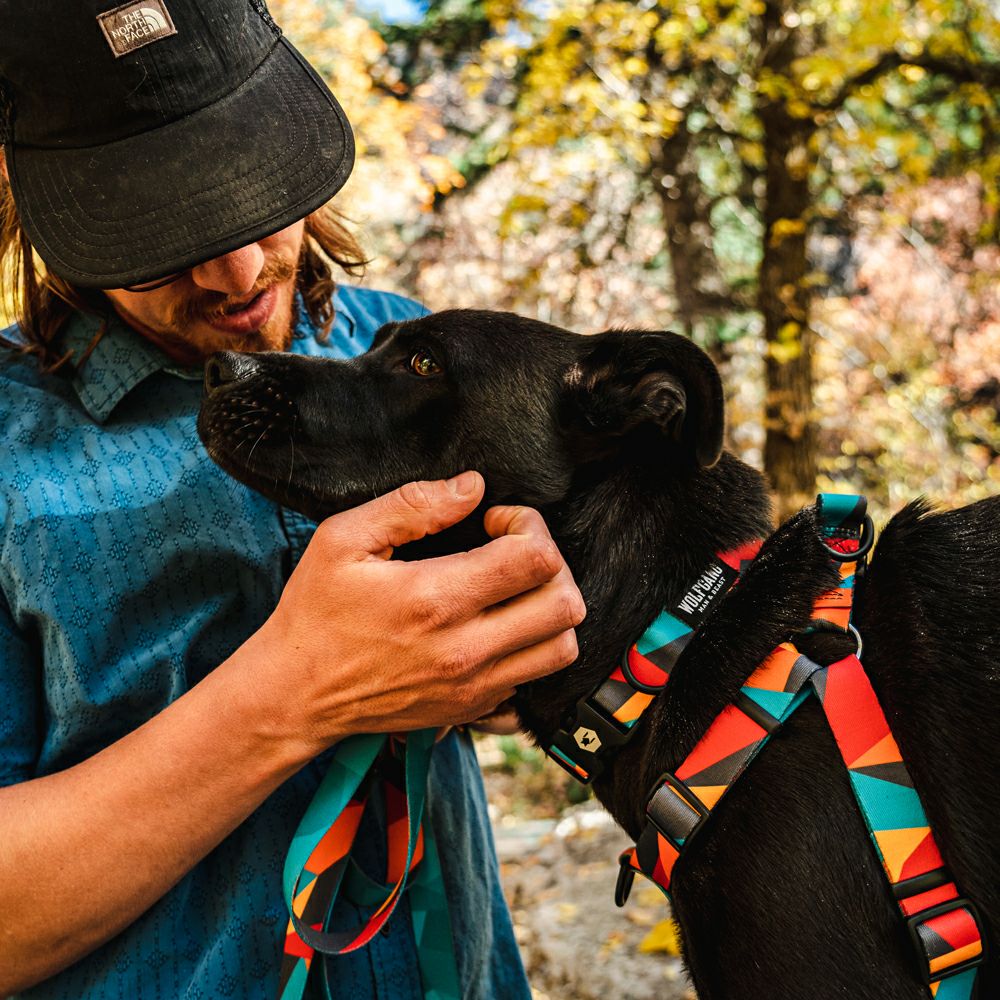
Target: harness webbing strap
(605, 719)
(944, 927)
(681, 802)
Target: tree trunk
(789, 423)
(695, 270)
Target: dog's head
(528, 405)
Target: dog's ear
(627, 379)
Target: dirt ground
(559, 864)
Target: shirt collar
(305, 330)
(120, 360)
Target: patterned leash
(318, 868)
(944, 926)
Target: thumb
(416, 510)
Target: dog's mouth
(252, 430)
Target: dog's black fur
(617, 440)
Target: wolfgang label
(705, 593)
(133, 25)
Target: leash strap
(604, 720)
(944, 927)
(319, 860)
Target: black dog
(617, 440)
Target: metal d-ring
(821, 625)
(864, 544)
(857, 639)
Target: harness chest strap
(944, 927)
(605, 719)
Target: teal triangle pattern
(665, 629)
(888, 806)
(775, 702)
(958, 987)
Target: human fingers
(498, 571)
(540, 614)
(535, 661)
(406, 514)
(515, 520)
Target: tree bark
(784, 294)
(699, 290)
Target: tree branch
(959, 70)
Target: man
(178, 655)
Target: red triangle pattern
(731, 731)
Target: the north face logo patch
(135, 24)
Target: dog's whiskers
(257, 442)
(240, 430)
(291, 441)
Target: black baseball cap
(146, 137)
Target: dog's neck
(636, 538)
(635, 541)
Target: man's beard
(275, 335)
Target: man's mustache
(211, 305)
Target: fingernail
(463, 484)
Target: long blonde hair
(42, 303)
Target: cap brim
(156, 203)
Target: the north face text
(135, 24)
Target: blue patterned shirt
(131, 566)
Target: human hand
(361, 643)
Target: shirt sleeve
(20, 683)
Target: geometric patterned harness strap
(604, 720)
(944, 927)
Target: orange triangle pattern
(884, 752)
(336, 842)
(896, 846)
(709, 794)
(299, 905)
(772, 674)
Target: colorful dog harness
(943, 926)
(604, 720)
(318, 866)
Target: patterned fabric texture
(131, 566)
(617, 704)
(942, 924)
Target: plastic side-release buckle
(675, 811)
(578, 749)
(948, 939)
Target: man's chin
(265, 339)
(201, 340)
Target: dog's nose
(226, 367)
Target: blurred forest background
(808, 189)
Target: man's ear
(628, 379)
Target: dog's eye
(423, 364)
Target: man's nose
(234, 273)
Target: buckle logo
(587, 739)
(133, 25)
